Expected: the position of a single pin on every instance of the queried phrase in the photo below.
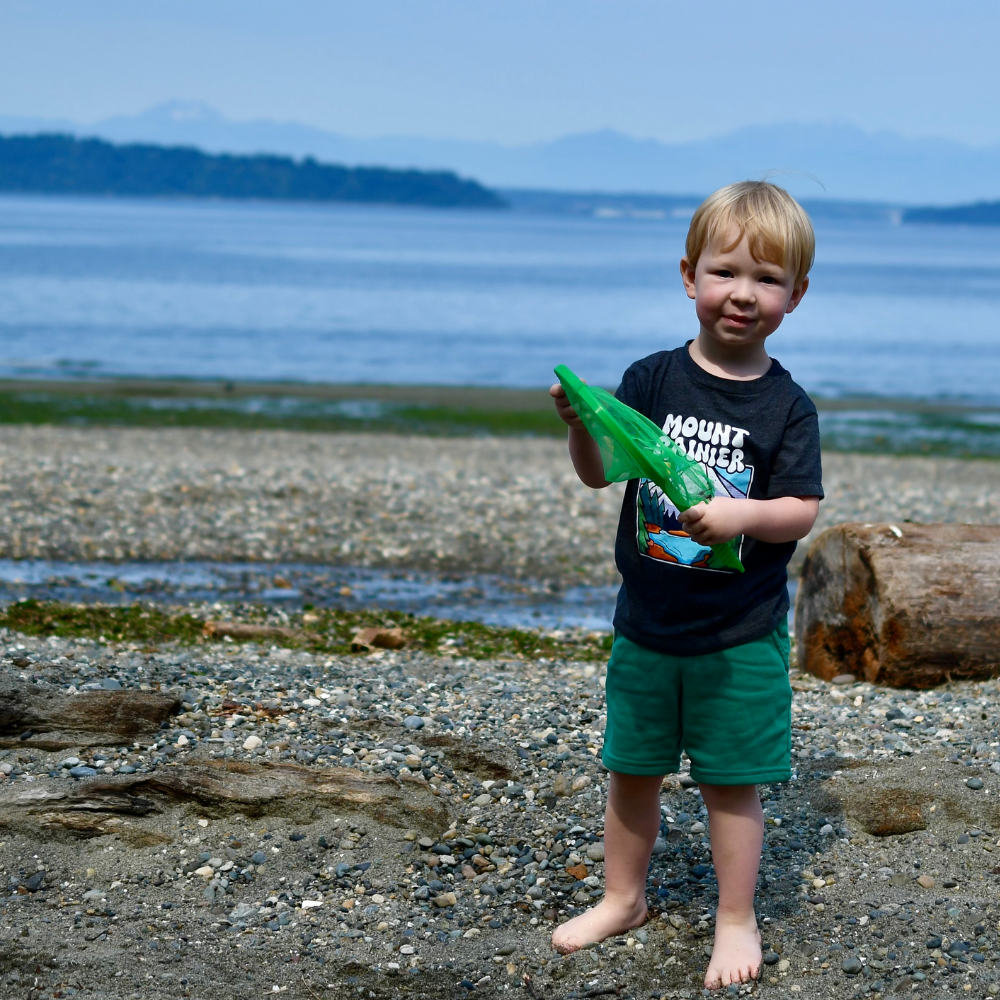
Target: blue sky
(513, 70)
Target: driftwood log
(32, 716)
(117, 804)
(909, 605)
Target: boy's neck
(741, 363)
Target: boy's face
(740, 302)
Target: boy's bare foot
(736, 955)
(608, 918)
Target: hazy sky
(513, 70)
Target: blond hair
(775, 225)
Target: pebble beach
(511, 506)
(414, 822)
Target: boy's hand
(719, 520)
(563, 407)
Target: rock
(562, 785)
(697, 827)
(244, 913)
(659, 847)
(852, 966)
(841, 679)
(34, 882)
(91, 718)
(880, 809)
(205, 871)
(825, 830)
(483, 800)
(81, 771)
(926, 882)
(93, 894)
(252, 742)
(905, 606)
(771, 958)
(580, 782)
(596, 851)
(974, 783)
(413, 722)
(445, 899)
(258, 858)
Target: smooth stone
(659, 847)
(413, 722)
(110, 684)
(596, 851)
(70, 762)
(844, 679)
(927, 882)
(252, 742)
(258, 858)
(974, 783)
(852, 966)
(82, 772)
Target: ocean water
(386, 295)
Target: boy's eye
(723, 273)
(769, 279)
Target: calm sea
(347, 294)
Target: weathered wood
(909, 605)
(115, 804)
(34, 716)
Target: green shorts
(730, 711)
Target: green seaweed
(320, 631)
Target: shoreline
(863, 424)
(510, 506)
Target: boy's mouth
(737, 320)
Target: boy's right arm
(583, 450)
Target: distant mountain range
(62, 164)
(846, 162)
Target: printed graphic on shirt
(719, 448)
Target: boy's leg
(736, 824)
(631, 823)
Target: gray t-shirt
(756, 439)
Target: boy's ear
(687, 276)
(797, 294)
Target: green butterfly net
(633, 447)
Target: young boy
(700, 657)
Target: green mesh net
(633, 447)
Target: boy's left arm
(782, 519)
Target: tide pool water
(387, 295)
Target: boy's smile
(739, 301)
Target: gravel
(880, 871)
(503, 505)
(307, 901)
